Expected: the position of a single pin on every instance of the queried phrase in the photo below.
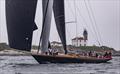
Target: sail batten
(59, 15)
(20, 16)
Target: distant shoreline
(20, 53)
(5, 50)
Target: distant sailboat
(20, 15)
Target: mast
(76, 21)
(59, 14)
(47, 6)
(20, 16)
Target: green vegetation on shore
(92, 48)
(4, 46)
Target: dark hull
(67, 59)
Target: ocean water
(27, 65)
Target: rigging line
(71, 9)
(91, 21)
(69, 35)
(76, 20)
(119, 23)
(72, 13)
(0, 21)
(70, 22)
(95, 21)
(68, 32)
(81, 16)
(85, 22)
(75, 16)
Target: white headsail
(47, 15)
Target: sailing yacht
(20, 17)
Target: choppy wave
(27, 65)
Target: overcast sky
(106, 30)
